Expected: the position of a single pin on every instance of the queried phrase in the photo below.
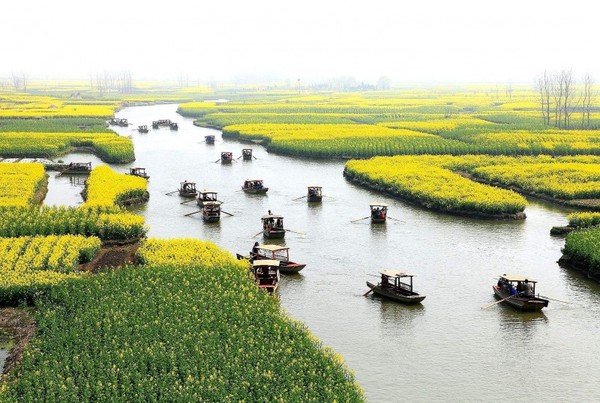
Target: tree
(384, 83)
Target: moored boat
(77, 168)
(378, 212)
(519, 292)
(266, 274)
(273, 226)
(314, 194)
(254, 186)
(276, 252)
(173, 126)
(391, 286)
(143, 129)
(211, 211)
(138, 171)
(187, 189)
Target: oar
(193, 212)
(170, 193)
(295, 232)
(188, 201)
(298, 198)
(223, 211)
(395, 219)
(257, 234)
(497, 302)
(367, 293)
(554, 299)
(218, 160)
(254, 157)
(358, 219)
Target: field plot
(174, 332)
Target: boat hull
(377, 220)
(211, 218)
(187, 194)
(291, 267)
(256, 191)
(390, 293)
(274, 234)
(314, 199)
(521, 303)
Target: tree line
(562, 99)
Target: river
(446, 349)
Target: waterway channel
(448, 348)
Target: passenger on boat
(254, 249)
(521, 288)
(384, 281)
(279, 223)
(528, 288)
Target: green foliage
(104, 222)
(161, 333)
(583, 246)
(56, 125)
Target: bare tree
(587, 99)
(16, 80)
(544, 87)
(568, 95)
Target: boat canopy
(272, 248)
(212, 203)
(517, 278)
(266, 262)
(378, 204)
(395, 273)
(273, 216)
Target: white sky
(409, 41)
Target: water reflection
(394, 314)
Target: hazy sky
(409, 41)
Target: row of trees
(561, 97)
(110, 81)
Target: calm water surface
(446, 349)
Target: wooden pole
(367, 293)
(170, 193)
(497, 302)
(188, 201)
(295, 232)
(223, 211)
(359, 219)
(193, 212)
(298, 198)
(554, 299)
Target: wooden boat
(143, 129)
(187, 189)
(266, 274)
(118, 122)
(205, 196)
(211, 211)
(173, 126)
(519, 292)
(276, 252)
(226, 157)
(210, 139)
(273, 226)
(254, 186)
(77, 168)
(314, 194)
(247, 154)
(391, 286)
(161, 122)
(378, 213)
(137, 171)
